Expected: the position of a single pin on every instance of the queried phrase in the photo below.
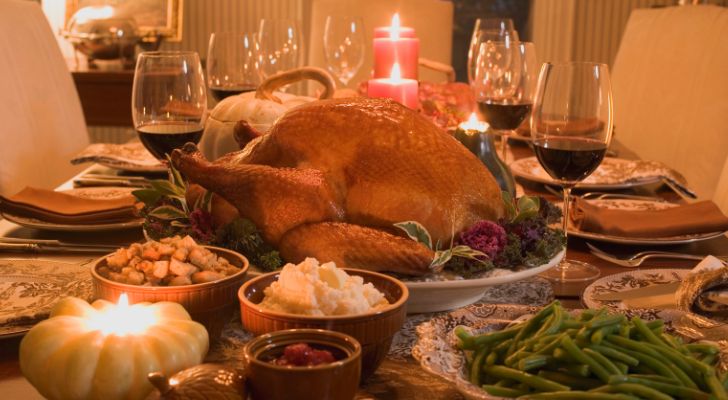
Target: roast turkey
(331, 178)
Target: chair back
(431, 19)
(670, 83)
(42, 120)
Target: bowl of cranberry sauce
(303, 364)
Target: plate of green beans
(508, 351)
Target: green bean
(622, 367)
(647, 333)
(466, 339)
(505, 382)
(716, 387)
(583, 358)
(549, 348)
(570, 381)
(681, 361)
(531, 323)
(517, 356)
(704, 348)
(635, 389)
(533, 381)
(555, 325)
(477, 363)
(672, 342)
(532, 362)
(656, 378)
(577, 395)
(571, 324)
(656, 324)
(492, 358)
(645, 350)
(615, 354)
(606, 321)
(563, 355)
(581, 370)
(603, 361)
(501, 347)
(493, 337)
(653, 363)
(502, 391)
(709, 359)
(668, 388)
(625, 330)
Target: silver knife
(39, 248)
(84, 182)
(652, 290)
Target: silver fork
(604, 195)
(637, 259)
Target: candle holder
(481, 144)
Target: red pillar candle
(396, 88)
(401, 46)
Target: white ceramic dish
(447, 295)
(30, 288)
(627, 280)
(613, 173)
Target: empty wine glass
(571, 127)
(344, 46)
(169, 100)
(488, 29)
(232, 64)
(281, 45)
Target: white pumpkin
(72, 355)
(260, 109)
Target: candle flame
(394, 30)
(396, 74)
(473, 124)
(122, 319)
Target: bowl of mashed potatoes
(367, 305)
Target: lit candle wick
(122, 319)
(394, 31)
(472, 124)
(396, 74)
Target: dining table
(400, 376)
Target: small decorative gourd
(204, 381)
(260, 109)
(105, 351)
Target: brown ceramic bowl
(336, 381)
(373, 330)
(210, 303)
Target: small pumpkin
(72, 355)
(260, 109)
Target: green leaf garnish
(416, 232)
(167, 213)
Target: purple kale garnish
(485, 236)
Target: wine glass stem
(504, 146)
(565, 218)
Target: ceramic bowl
(335, 381)
(374, 330)
(210, 303)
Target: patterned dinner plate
(89, 193)
(628, 280)
(132, 157)
(638, 205)
(30, 288)
(613, 173)
(436, 346)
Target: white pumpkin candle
(105, 350)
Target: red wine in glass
(569, 159)
(504, 116)
(220, 93)
(161, 138)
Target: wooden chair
(42, 120)
(431, 19)
(670, 83)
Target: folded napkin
(700, 217)
(62, 208)
(132, 153)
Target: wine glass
(169, 100)
(488, 29)
(504, 83)
(571, 127)
(344, 46)
(280, 44)
(232, 64)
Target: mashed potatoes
(312, 289)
